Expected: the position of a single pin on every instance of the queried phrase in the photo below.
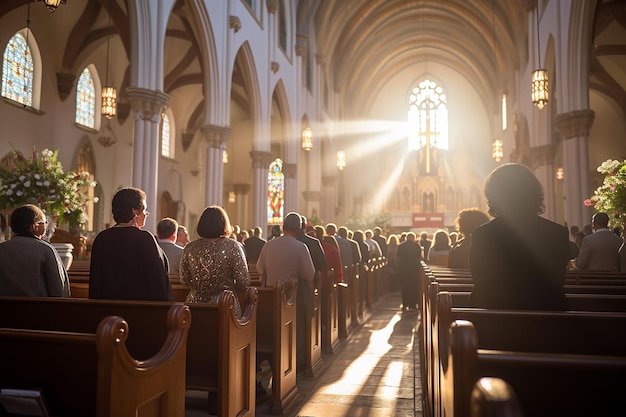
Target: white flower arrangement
(41, 180)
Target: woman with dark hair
(214, 262)
(31, 266)
(466, 222)
(127, 262)
(518, 260)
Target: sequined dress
(211, 266)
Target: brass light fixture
(341, 160)
(225, 156)
(109, 93)
(560, 174)
(52, 5)
(539, 89)
(498, 150)
(231, 197)
(307, 139)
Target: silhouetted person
(518, 260)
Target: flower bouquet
(610, 197)
(41, 180)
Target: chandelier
(225, 156)
(52, 5)
(341, 160)
(109, 94)
(307, 139)
(539, 89)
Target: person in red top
(333, 260)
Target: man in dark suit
(600, 250)
(381, 240)
(253, 245)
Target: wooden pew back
(220, 350)
(92, 373)
(546, 384)
(276, 338)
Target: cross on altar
(428, 134)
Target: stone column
(215, 138)
(329, 203)
(543, 164)
(260, 162)
(574, 127)
(242, 204)
(147, 107)
(291, 187)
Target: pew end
(494, 397)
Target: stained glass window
(275, 192)
(166, 149)
(428, 116)
(17, 71)
(86, 100)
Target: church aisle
(374, 374)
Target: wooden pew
(346, 305)
(546, 383)
(526, 331)
(220, 349)
(494, 397)
(92, 373)
(582, 276)
(313, 342)
(330, 316)
(276, 339)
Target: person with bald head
(287, 259)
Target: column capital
(147, 104)
(575, 123)
(234, 23)
(187, 138)
(302, 44)
(261, 159)
(290, 170)
(65, 83)
(215, 135)
(272, 6)
(321, 60)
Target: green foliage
(610, 197)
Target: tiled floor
(375, 373)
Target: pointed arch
(22, 69)
(87, 98)
(249, 79)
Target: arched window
(504, 112)
(167, 135)
(275, 192)
(17, 71)
(282, 26)
(428, 116)
(86, 100)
